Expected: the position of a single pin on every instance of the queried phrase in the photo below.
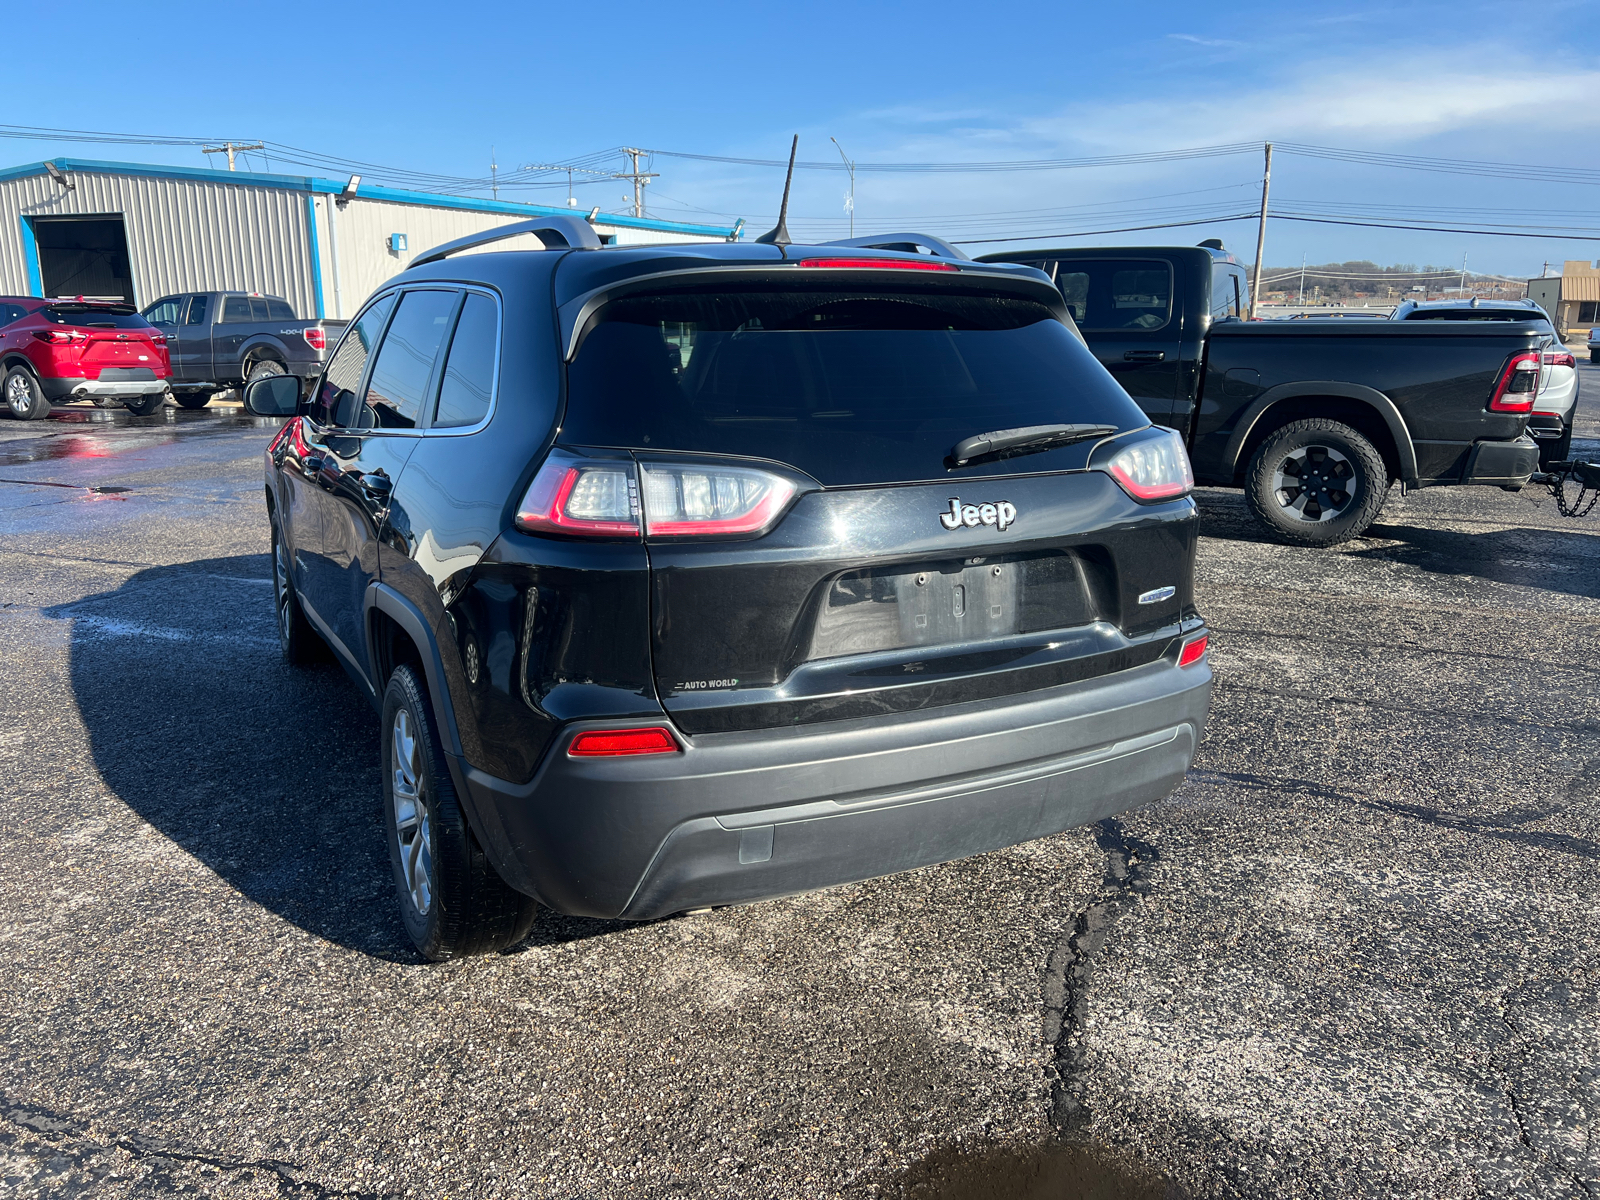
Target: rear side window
(165, 312)
(278, 310)
(197, 310)
(1110, 295)
(404, 366)
(335, 402)
(1225, 296)
(93, 318)
(851, 387)
(236, 308)
(468, 384)
(11, 312)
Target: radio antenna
(779, 236)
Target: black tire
(192, 399)
(299, 642)
(262, 369)
(24, 399)
(451, 900)
(1558, 449)
(148, 405)
(1594, 356)
(1347, 483)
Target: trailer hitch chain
(1586, 475)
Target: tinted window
(94, 318)
(1475, 314)
(404, 366)
(335, 403)
(165, 312)
(1113, 295)
(1224, 294)
(197, 310)
(236, 308)
(11, 312)
(279, 310)
(852, 387)
(468, 381)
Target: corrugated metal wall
(364, 226)
(183, 234)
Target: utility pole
(230, 149)
(1261, 235)
(494, 174)
(849, 204)
(1463, 272)
(640, 178)
(1302, 299)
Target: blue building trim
(30, 259)
(316, 256)
(334, 187)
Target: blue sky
(401, 85)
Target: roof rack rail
(908, 242)
(572, 231)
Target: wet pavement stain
(1050, 1172)
(112, 432)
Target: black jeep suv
(694, 575)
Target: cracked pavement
(1355, 955)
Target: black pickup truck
(1314, 419)
(220, 340)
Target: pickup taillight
(315, 338)
(1518, 384)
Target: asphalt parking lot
(1355, 955)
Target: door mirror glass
(273, 396)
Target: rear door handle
(1144, 356)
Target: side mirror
(273, 396)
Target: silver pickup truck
(221, 340)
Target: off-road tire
(22, 397)
(260, 369)
(469, 910)
(1327, 446)
(1594, 356)
(148, 405)
(192, 399)
(297, 639)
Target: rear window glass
(236, 308)
(1474, 314)
(94, 318)
(851, 387)
(1108, 294)
(278, 310)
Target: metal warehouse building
(70, 227)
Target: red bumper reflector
(608, 743)
(1193, 651)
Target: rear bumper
(1503, 464)
(64, 389)
(746, 816)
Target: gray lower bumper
(752, 815)
(1506, 464)
(58, 389)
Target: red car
(53, 350)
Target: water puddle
(1052, 1172)
(91, 433)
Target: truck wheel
(1594, 356)
(1316, 483)
(451, 899)
(192, 399)
(298, 641)
(260, 370)
(148, 404)
(24, 399)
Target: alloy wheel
(412, 823)
(18, 398)
(1314, 484)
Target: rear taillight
(1155, 468)
(584, 497)
(1193, 652)
(159, 339)
(711, 500)
(1559, 358)
(610, 743)
(604, 498)
(315, 338)
(1514, 391)
(59, 337)
(886, 264)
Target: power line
(1025, 164)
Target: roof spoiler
(910, 243)
(571, 231)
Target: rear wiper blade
(1029, 439)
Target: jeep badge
(973, 515)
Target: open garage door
(84, 256)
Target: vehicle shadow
(267, 774)
(1566, 560)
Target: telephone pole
(230, 149)
(1302, 298)
(640, 178)
(1261, 235)
(494, 174)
